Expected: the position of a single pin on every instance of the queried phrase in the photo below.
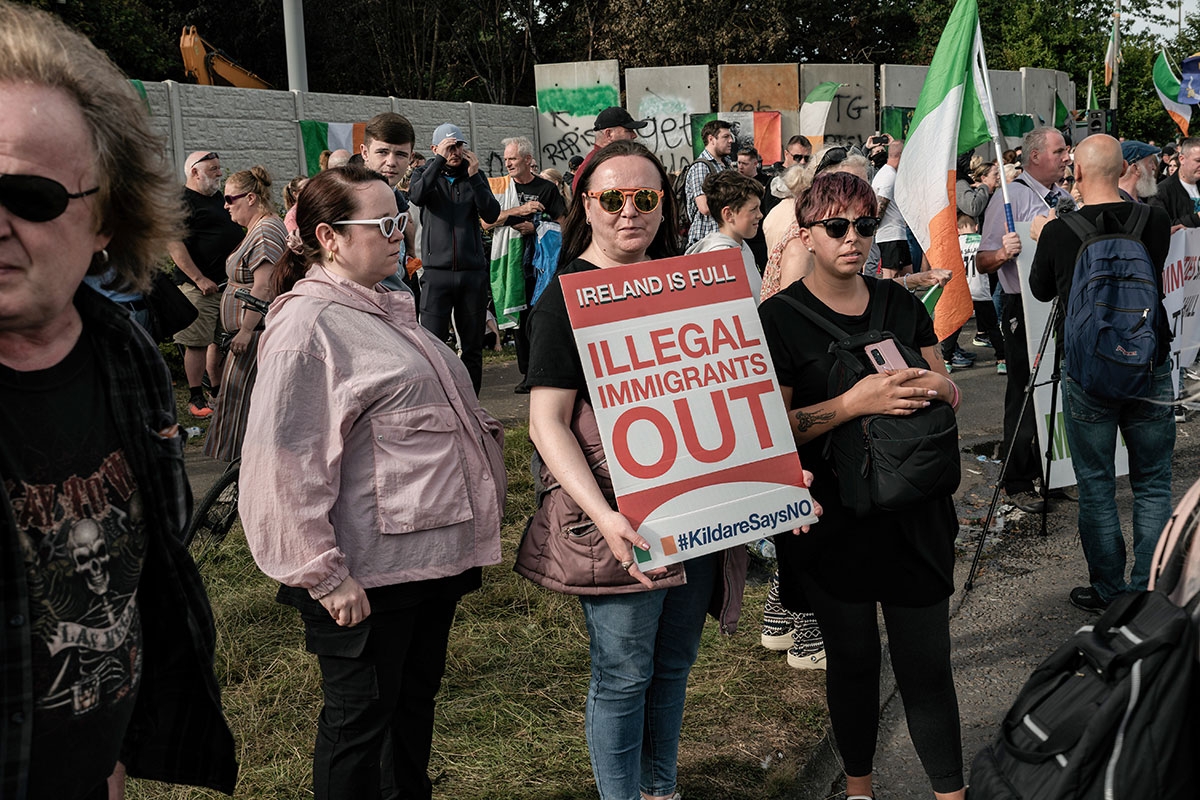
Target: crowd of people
(373, 482)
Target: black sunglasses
(206, 157)
(800, 159)
(836, 227)
(36, 199)
(833, 156)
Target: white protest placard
(1037, 315)
(1181, 282)
(698, 441)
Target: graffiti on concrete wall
(569, 98)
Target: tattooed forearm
(804, 420)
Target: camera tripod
(1027, 402)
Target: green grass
(510, 713)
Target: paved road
(1017, 613)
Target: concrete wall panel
(1037, 90)
(569, 97)
(667, 96)
(900, 85)
(1006, 91)
(762, 87)
(852, 116)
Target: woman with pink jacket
(372, 485)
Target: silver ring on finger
(625, 565)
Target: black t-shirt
(81, 528)
(905, 558)
(545, 193)
(553, 356)
(1054, 261)
(212, 235)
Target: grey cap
(446, 130)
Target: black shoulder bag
(885, 462)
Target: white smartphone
(885, 356)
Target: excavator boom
(208, 66)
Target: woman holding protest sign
(902, 559)
(644, 628)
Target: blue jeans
(1148, 427)
(642, 647)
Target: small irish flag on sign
(815, 111)
(321, 136)
(760, 128)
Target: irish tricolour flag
(319, 136)
(759, 128)
(815, 111)
(1167, 86)
(953, 115)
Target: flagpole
(1112, 97)
(994, 129)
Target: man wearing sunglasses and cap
(200, 269)
(454, 196)
(612, 125)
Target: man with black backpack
(1104, 264)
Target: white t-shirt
(891, 227)
(719, 241)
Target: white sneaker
(810, 661)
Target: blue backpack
(1114, 309)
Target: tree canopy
(484, 50)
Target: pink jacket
(366, 451)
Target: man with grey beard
(1141, 162)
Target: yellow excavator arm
(208, 66)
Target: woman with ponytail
(372, 485)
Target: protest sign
(1181, 282)
(698, 441)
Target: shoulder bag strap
(833, 330)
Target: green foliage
(1140, 114)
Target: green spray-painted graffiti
(582, 102)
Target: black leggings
(919, 641)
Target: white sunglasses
(388, 226)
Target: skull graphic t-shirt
(82, 537)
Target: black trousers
(1024, 466)
(987, 324)
(463, 294)
(919, 644)
(379, 680)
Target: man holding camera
(454, 196)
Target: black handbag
(884, 462)
(170, 310)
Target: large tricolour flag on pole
(953, 115)
(815, 111)
(1167, 86)
(319, 136)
